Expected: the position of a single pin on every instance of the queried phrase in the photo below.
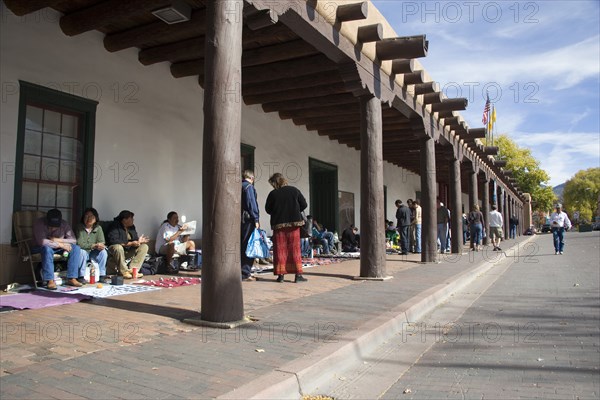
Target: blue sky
(540, 62)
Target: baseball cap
(54, 217)
(558, 205)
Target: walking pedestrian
(476, 227)
(559, 222)
(496, 224)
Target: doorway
(323, 182)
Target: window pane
(66, 215)
(33, 142)
(31, 167)
(51, 122)
(68, 171)
(29, 193)
(33, 118)
(69, 125)
(49, 169)
(47, 195)
(51, 146)
(64, 197)
(68, 149)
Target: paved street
(535, 333)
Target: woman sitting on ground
(90, 238)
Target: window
(54, 160)
(247, 155)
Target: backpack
(152, 265)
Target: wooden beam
(289, 69)
(156, 32)
(105, 13)
(427, 87)
(414, 78)
(402, 47)
(290, 105)
(297, 94)
(476, 133)
(261, 19)
(21, 8)
(282, 85)
(370, 33)
(184, 50)
(403, 66)
(491, 150)
(432, 98)
(450, 105)
(313, 112)
(352, 12)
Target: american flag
(486, 111)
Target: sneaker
(561, 253)
(73, 282)
(300, 278)
(51, 285)
(280, 278)
(249, 279)
(556, 253)
(495, 249)
(499, 249)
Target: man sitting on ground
(53, 235)
(350, 240)
(170, 241)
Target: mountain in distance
(558, 190)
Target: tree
(581, 193)
(527, 172)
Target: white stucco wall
(149, 128)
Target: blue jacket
(249, 204)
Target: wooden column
(222, 299)
(505, 201)
(428, 191)
(372, 217)
(485, 209)
(509, 211)
(473, 190)
(499, 198)
(456, 207)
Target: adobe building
(159, 105)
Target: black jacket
(403, 215)
(285, 206)
(116, 234)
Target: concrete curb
(315, 373)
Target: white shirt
(560, 220)
(164, 234)
(495, 219)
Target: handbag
(306, 229)
(257, 246)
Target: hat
(54, 217)
(558, 205)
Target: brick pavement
(135, 346)
(535, 334)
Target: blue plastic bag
(257, 246)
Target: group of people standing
(285, 204)
(409, 222)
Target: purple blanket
(39, 299)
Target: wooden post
(456, 207)
(509, 206)
(473, 192)
(372, 220)
(222, 299)
(500, 200)
(485, 209)
(428, 194)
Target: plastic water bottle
(65, 254)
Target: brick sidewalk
(135, 346)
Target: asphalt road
(529, 328)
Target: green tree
(527, 172)
(581, 193)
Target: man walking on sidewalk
(496, 227)
(559, 222)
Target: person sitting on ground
(323, 237)
(350, 240)
(53, 235)
(90, 238)
(169, 239)
(391, 234)
(124, 244)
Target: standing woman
(285, 204)
(476, 227)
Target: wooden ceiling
(281, 71)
